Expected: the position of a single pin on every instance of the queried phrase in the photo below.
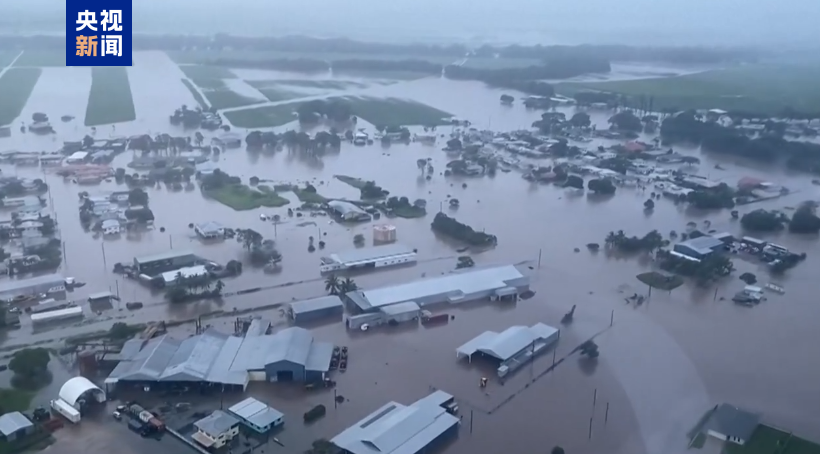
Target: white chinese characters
(112, 45)
(112, 20)
(86, 20)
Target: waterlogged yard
(16, 85)
(221, 88)
(41, 59)
(110, 99)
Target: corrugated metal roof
(12, 422)
(371, 253)
(318, 359)
(456, 284)
(216, 423)
(401, 308)
(256, 412)
(258, 327)
(506, 344)
(163, 256)
(13, 285)
(396, 429)
(316, 304)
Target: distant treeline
(302, 44)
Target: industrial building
(700, 247)
(170, 277)
(216, 430)
(15, 426)
(368, 257)
(52, 285)
(732, 424)
(257, 415)
(391, 315)
(153, 265)
(217, 359)
(503, 282)
(399, 429)
(210, 230)
(74, 395)
(68, 313)
(316, 309)
(348, 212)
(513, 347)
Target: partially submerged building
(399, 429)
(348, 212)
(732, 424)
(502, 282)
(368, 257)
(216, 430)
(700, 247)
(209, 230)
(15, 426)
(393, 314)
(513, 347)
(217, 359)
(316, 309)
(52, 285)
(257, 415)
(153, 265)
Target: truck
(135, 410)
(136, 425)
(62, 407)
(428, 318)
(157, 424)
(145, 416)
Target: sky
(650, 22)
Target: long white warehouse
(53, 316)
(369, 257)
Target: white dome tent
(78, 388)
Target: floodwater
(662, 364)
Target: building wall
(327, 312)
(686, 250)
(161, 266)
(403, 317)
(55, 289)
(272, 370)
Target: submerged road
(10, 65)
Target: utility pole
(105, 265)
(612, 318)
(335, 402)
(539, 258)
(471, 422)
(606, 414)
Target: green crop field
(397, 112)
(263, 117)
(110, 99)
(767, 89)
(768, 440)
(40, 59)
(16, 86)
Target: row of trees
(707, 270)
(336, 286)
(187, 288)
(804, 220)
(721, 196)
(333, 109)
(449, 226)
(650, 242)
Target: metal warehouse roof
(454, 285)
(396, 429)
(14, 285)
(76, 387)
(216, 423)
(506, 344)
(367, 254)
(704, 244)
(401, 308)
(163, 256)
(316, 304)
(12, 422)
(256, 412)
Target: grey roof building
(51, 284)
(316, 308)
(398, 429)
(257, 415)
(215, 357)
(453, 288)
(165, 261)
(699, 247)
(14, 426)
(368, 257)
(216, 424)
(513, 347)
(348, 211)
(730, 423)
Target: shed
(216, 429)
(316, 308)
(730, 423)
(210, 230)
(14, 426)
(257, 415)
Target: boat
(775, 288)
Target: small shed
(316, 308)
(257, 415)
(14, 426)
(730, 423)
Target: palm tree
(218, 288)
(348, 285)
(610, 239)
(179, 279)
(332, 284)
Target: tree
(763, 220)
(626, 121)
(249, 238)
(421, 164)
(557, 450)
(120, 331)
(347, 285)
(649, 205)
(454, 144)
(507, 99)
(589, 349)
(574, 181)
(805, 220)
(137, 197)
(601, 186)
(580, 120)
(30, 362)
(332, 284)
(218, 288)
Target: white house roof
(13, 422)
(256, 412)
(76, 387)
(506, 344)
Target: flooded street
(662, 364)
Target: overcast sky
(659, 22)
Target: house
(119, 196)
(257, 415)
(729, 423)
(216, 430)
(111, 227)
(78, 157)
(209, 230)
(15, 426)
(228, 140)
(348, 212)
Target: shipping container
(145, 416)
(60, 314)
(136, 425)
(433, 319)
(70, 413)
(157, 424)
(135, 410)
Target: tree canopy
(450, 227)
(805, 220)
(30, 362)
(763, 220)
(626, 121)
(601, 186)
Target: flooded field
(662, 364)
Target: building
(399, 429)
(729, 423)
(257, 415)
(316, 309)
(216, 430)
(368, 257)
(153, 265)
(15, 426)
(699, 247)
(111, 227)
(170, 277)
(209, 230)
(401, 312)
(217, 359)
(52, 285)
(78, 157)
(347, 211)
(513, 347)
(725, 237)
(79, 390)
(488, 283)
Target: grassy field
(203, 56)
(211, 80)
(328, 84)
(41, 59)
(15, 400)
(196, 94)
(263, 117)
(397, 112)
(197, 72)
(274, 91)
(110, 99)
(241, 197)
(16, 86)
(756, 88)
(500, 63)
(768, 440)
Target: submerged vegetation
(230, 191)
(110, 99)
(16, 85)
(450, 227)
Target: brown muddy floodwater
(662, 364)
